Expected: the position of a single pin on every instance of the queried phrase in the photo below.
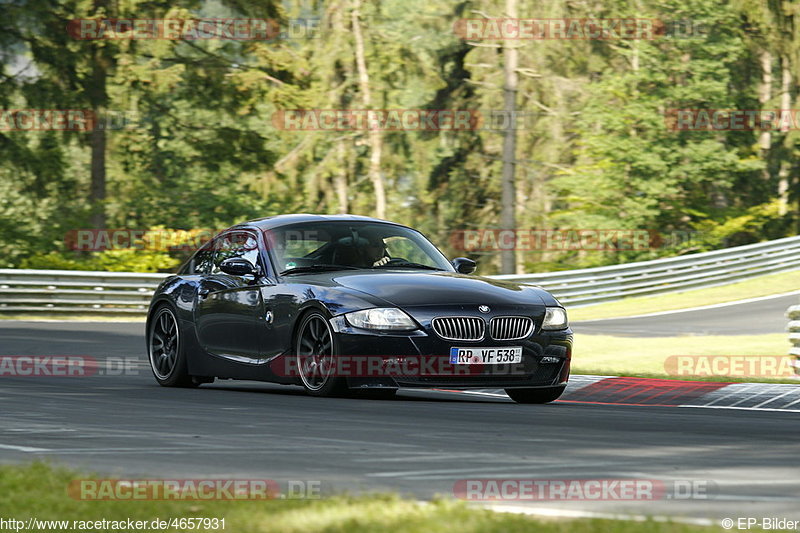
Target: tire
(166, 350)
(315, 351)
(535, 395)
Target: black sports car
(344, 303)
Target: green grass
(752, 288)
(646, 356)
(39, 490)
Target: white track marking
(494, 471)
(772, 409)
(732, 393)
(476, 393)
(791, 403)
(29, 449)
(775, 398)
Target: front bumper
(546, 357)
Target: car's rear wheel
(165, 349)
(315, 347)
(535, 395)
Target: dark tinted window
(199, 263)
(202, 261)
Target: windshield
(346, 245)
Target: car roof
(278, 221)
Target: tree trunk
(786, 102)
(98, 172)
(99, 102)
(97, 192)
(340, 179)
(508, 262)
(374, 135)
(764, 96)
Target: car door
(280, 307)
(229, 307)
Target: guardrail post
(793, 314)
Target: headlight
(382, 318)
(554, 318)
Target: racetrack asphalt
(420, 444)
(748, 317)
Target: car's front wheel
(315, 347)
(165, 349)
(535, 395)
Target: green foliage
(737, 227)
(111, 261)
(201, 150)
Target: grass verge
(752, 288)
(646, 356)
(39, 491)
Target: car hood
(410, 289)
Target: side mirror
(236, 266)
(464, 265)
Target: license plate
(485, 356)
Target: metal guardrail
(708, 269)
(76, 291)
(82, 292)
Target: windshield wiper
(316, 268)
(408, 264)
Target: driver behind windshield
(375, 253)
(368, 252)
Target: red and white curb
(613, 390)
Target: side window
(198, 263)
(236, 244)
(201, 263)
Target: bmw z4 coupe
(348, 304)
